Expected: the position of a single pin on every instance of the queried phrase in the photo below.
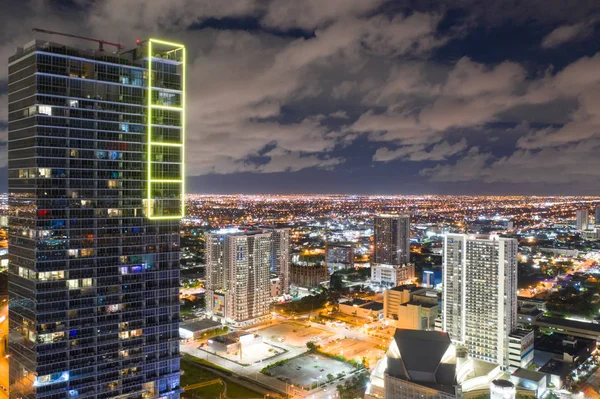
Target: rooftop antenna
(101, 43)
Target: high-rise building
(95, 185)
(479, 294)
(597, 216)
(280, 257)
(392, 239)
(582, 219)
(238, 283)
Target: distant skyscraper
(280, 257)
(583, 218)
(392, 239)
(597, 216)
(95, 193)
(479, 294)
(238, 284)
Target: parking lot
(293, 334)
(309, 369)
(352, 348)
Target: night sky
(364, 96)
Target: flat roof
(373, 306)
(410, 288)
(528, 374)
(199, 325)
(581, 325)
(520, 333)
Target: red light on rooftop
(137, 41)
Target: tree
(312, 346)
(336, 282)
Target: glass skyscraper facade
(96, 168)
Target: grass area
(194, 374)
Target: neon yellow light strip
(183, 105)
(149, 202)
(167, 107)
(150, 143)
(166, 181)
(156, 143)
(167, 43)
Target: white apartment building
(238, 284)
(393, 275)
(479, 294)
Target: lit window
(74, 103)
(73, 284)
(44, 109)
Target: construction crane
(101, 43)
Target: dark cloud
(263, 100)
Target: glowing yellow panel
(150, 202)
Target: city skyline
(366, 97)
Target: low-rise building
(523, 301)
(194, 329)
(392, 275)
(361, 308)
(520, 348)
(530, 380)
(569, 327)
(411, 307)
(527, 315)
(396, 296)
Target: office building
(238, 284)
(392, 239)
(479, 294)
(280, 257)
(597, 216)
(96, 168)
(582, 216)
(393, 275)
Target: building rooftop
(422, 358)
(528, 374)
(406, 287)
(520, 333)
(373, 306)
(555, 367)
(199, 325)
(582, 325)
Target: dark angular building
(96, 168)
